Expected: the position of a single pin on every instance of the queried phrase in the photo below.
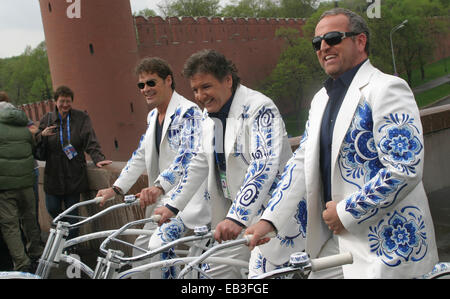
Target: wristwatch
(158, 185)
(117, 190)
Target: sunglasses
(331, 38)
(150, 83)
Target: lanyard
(61, 129)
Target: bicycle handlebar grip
(268, 235)
(331, 261)
(155, 217)
(97, 200)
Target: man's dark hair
(211, 62)
(63, 91)
(4, 97)
(356, 22)
(155, 65)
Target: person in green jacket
(17, 203)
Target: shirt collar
(345, 79)
(225, 110)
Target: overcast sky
(21, 23)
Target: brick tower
(92, 49)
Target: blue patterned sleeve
(382, 154)
(290, 190)
(185, 136)
(265, 148)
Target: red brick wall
(95, 55)
(250, 43)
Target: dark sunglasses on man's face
(331, 38)
(150, 83)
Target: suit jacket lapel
(312, 154)
(173, 104)
(347, 110)
(153, 170)
(233, 120)
(312, 173)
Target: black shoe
(33, 267)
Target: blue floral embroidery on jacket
(374, 195)
(302, 216)
(183, 137)
(285, 181)
(260, 264)
(260, 165)
(301, 219)
(400, 237)
(283, 185)
(169, 232)
(359, 156)
(400, 144)
(359, 159)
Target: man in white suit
(244, 150)
(170, 141)
(359, 165)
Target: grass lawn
(432, 95)
(432, 71)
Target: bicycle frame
(56, 241)
(301, 264)
(194, 265)
(108, 267)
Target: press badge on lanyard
(69, 150)
(223, 181)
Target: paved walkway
(432, 84)
(443, 101)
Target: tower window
(91, 48)
(49, 7)
(131, 107)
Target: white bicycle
(110, 266)
(193, 262)
(57, 243)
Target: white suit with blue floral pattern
(256, 149)
(180, 139)
(376, 180)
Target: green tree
(26, 78)
(192, 8)
(38, 66)
(146, 12)
(297, 8)
(270, 8)
(414, 43)
(251, 9)
(297, 76)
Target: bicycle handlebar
(309, 264)
(129, 200)
(249, 237)
(244, 240)
(153, 218)
(331, 261)
(96, 200)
